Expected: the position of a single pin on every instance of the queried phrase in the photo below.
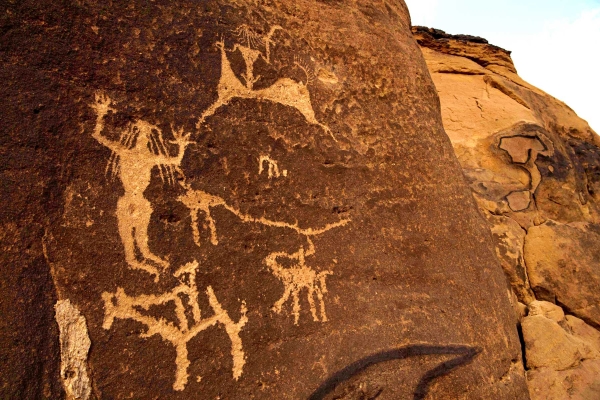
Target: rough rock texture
(534, 169)
(563, 354)
(564, 265)
(243, 200)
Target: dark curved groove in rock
(467, 354)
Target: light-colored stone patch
(74, 347)
(523, 150)
(519, 200)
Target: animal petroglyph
(199, 200)
(120, 305)
(297, 278)
(284, 91)
(196, 201)
(272, 167)
(139, 149)
(134, 156)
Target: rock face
(238, 200)
(534, 169)
(563, 354)
(564, 266)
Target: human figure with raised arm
(139, 149)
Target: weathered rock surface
(534, 170)
(563, 354)
(238, 200)
(509, 239)
(563, 262)
(580, 383)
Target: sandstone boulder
(237, 199)
(581, 383)
(563, 262)
(546, 309)
(562, 353)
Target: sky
(555, 44)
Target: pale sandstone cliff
(534, 169)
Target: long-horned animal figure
(119, 305)
(284, 91)
(296, 278)
(139, 149)
(197, 200)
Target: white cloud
(422, 12)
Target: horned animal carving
(299, 277)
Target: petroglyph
(284, 91)
(272, 167)
(134, 156)
(198, 200)
(74, 347)
(254, 39)
(139, 149)
(297, 278)
(120, 305)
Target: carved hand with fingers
(102, 105)
(181, 138)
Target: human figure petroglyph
(139, 149)
(284, 91)
(272, 167)
(250, 54)
(297, 278)
(119, 305)
(254, 39)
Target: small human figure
(272, 167)
(138, 151)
